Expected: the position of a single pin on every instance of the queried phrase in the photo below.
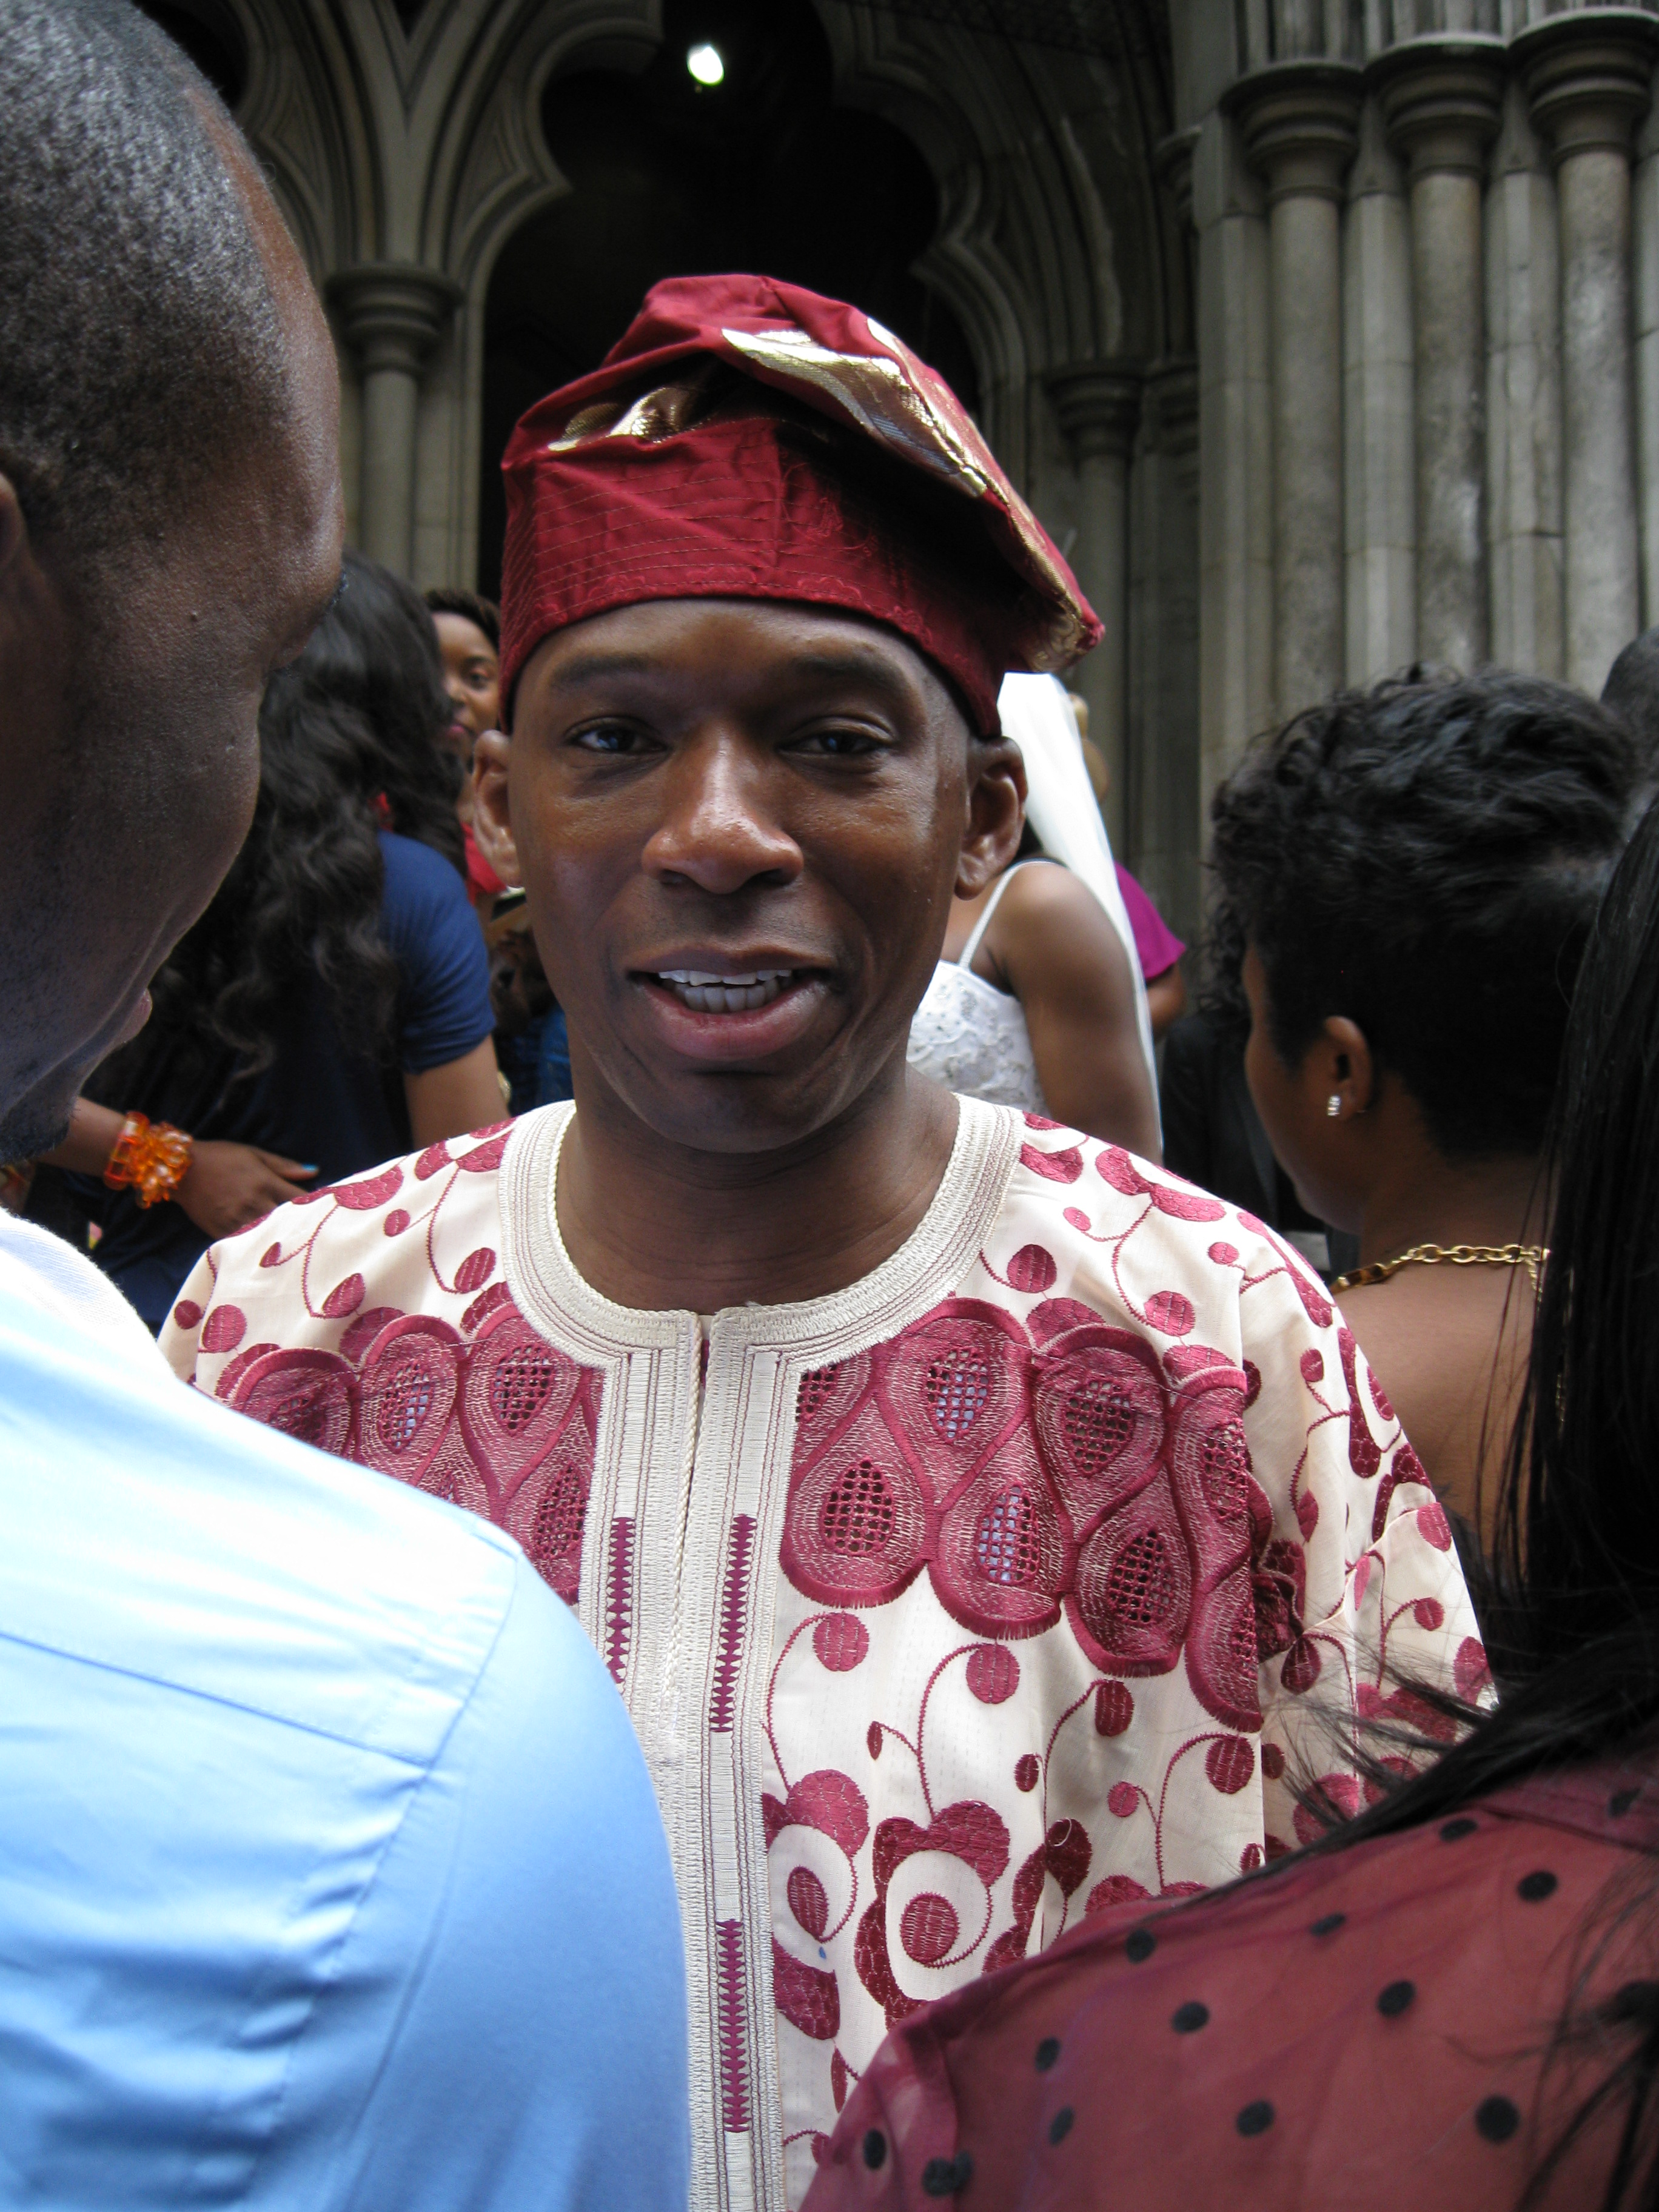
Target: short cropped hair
(1426, 858)
(140, 345)
(483, 614)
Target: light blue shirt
(330, 1872)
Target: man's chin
(755, 1112)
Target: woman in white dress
(1036, 1001)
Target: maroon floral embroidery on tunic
(1041, 1469)
(498, 1421)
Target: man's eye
(839, 744)
(610, 738)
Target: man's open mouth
(706, 993)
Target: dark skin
(1448, 1343)
(472, 677)
(734, 786)
(129, 735)
(1050, 946)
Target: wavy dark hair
(1426, 857)
(350, 743)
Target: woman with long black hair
(332, 1007)
(1452, 2000)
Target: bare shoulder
(1048, 908)
(1048, 888)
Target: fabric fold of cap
(746, 439)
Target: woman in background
(1408, 878)
(1035, 1001)
(332, 1007)
(470, 646)
(1453, 2002)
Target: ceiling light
(706, 64)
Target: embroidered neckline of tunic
(679, 1570)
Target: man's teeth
(725, 995)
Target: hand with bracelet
(222, 1187)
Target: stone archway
(668, 177)
(407, 147)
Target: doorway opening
(726, 154)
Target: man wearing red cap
(965, 1509)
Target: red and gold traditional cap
(748, 439)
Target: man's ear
(492, 813)
(1338, 1065)
(13, 530)
(36, 620)
(995, 813)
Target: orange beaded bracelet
(149, 1158)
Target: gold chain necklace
(1530, 1257)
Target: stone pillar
(1645, 255)
(1442, 101)
(1098, 406)
(1164, 686)
(1300, 122)
(392, 314)
(1234, 504)
(1379, 491)
(1588, 77)
(1523, 400)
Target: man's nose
(719, 830)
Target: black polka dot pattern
(1060, 2126)
(1327, 1924)
(944, 2177)
(1187, 2019)
(1497, 2119)
(1621, 1802)
(1047, 2051)
(1256, 2118)
(1139, 1945)
(1533, 1888)
(875, 2149)
(1451, 1830)
(1396, 1998)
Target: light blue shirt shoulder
(330, 1872)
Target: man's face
(740, 826)
(129, 745)
(472, 677)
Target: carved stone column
(1300, 121)
(1098, 407)
(392, 315)
(1441, 101)
(1588, 77)
(1163, 797)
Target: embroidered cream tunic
(1015, 1580)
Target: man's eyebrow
(834, 664)
(592, 667)
(824, 664)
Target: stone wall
(1428, 342)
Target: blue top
(330, 1872)
(320, 1100)
(535, 1061)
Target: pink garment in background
(1157, 946)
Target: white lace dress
(972, 1038)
